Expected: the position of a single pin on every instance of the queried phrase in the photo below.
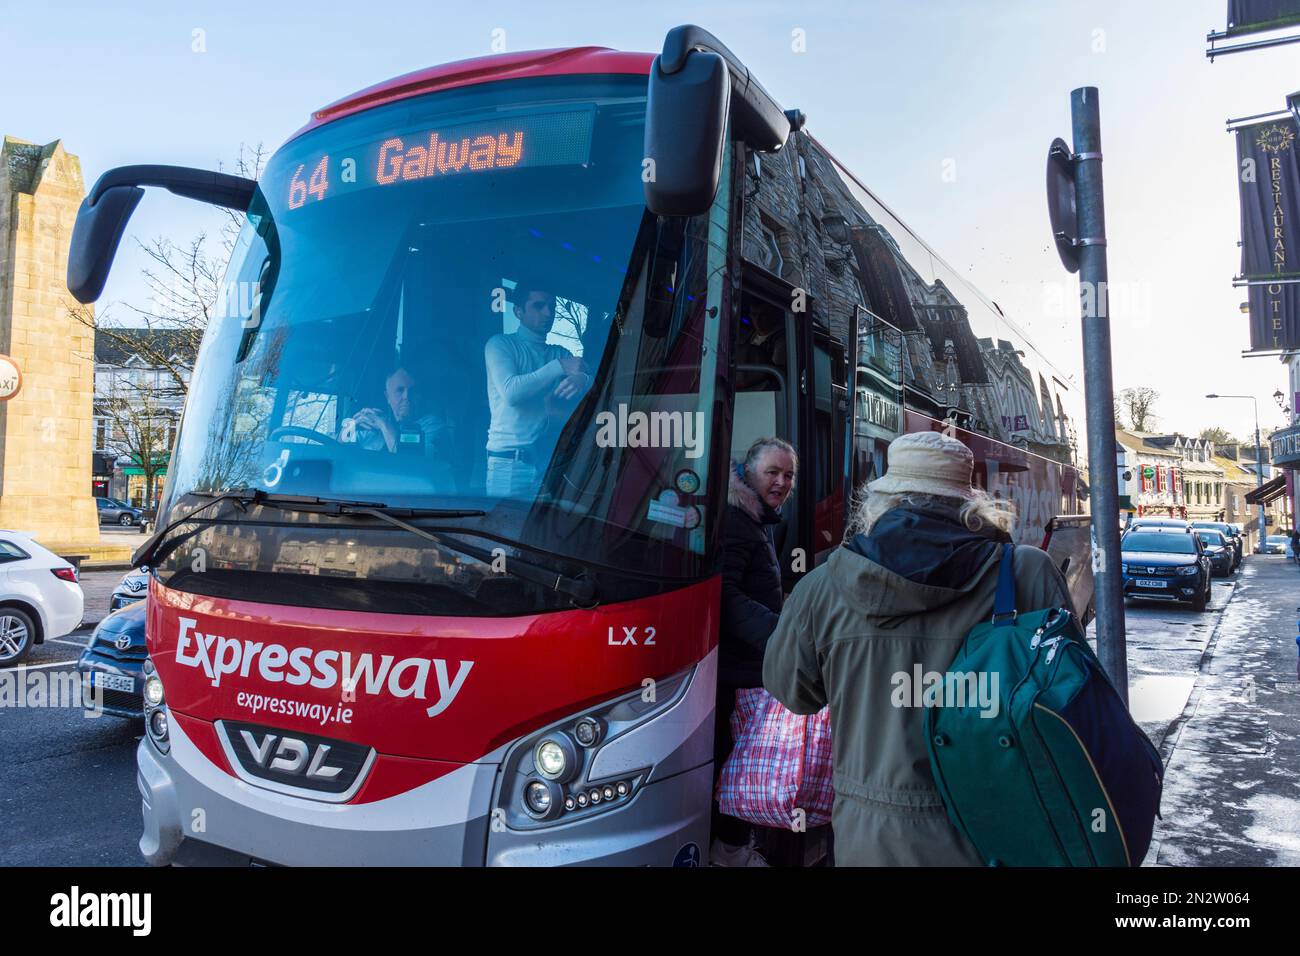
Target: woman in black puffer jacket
(751, 604)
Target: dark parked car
(112, 511)
(1165, 566)
(1228, 531)
(1218, 549)
(113, 662)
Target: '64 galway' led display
(519, 142)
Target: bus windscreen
(460, 302)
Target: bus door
(769, 361)
(828, 416)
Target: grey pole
(1108, 582)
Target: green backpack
(1051, 770)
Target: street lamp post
(1259, 460)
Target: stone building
(1202, 479)
(1238, 482)
(1149, 479)
(46, 429)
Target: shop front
(1286, 458)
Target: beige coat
(848, 629)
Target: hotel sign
(1286, 447)
(1268, 173)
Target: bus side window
(762, 388)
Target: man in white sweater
(522, 372)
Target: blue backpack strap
(1004, 600)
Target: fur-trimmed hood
(740, 494)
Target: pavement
(1165, 645)
(1232, 777)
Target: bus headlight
(153, 690)
(556, 758)
(543, 799)
(155, 715)
(546, 777)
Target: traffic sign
(1061, 209)
(11, 378)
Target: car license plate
(1146, 583)
(112, 681)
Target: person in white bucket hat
(928, 463)
(916, 573)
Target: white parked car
(40, 596)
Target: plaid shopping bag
(781, 762)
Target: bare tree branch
(1139, 403)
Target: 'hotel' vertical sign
(1268, 170)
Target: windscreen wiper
(150, 552)
(154, 550)
(582, 591)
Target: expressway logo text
(366, 673)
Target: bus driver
(402, 429)
(523, 371)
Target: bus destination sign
(522, 142)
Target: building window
(771, 252)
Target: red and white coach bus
(415, 602)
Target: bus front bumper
(196, 814)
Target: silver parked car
(133, 587)
(1274, 544)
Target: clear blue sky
(901, 92)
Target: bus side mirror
(686, 120)
(95, 238)
(107, 209)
